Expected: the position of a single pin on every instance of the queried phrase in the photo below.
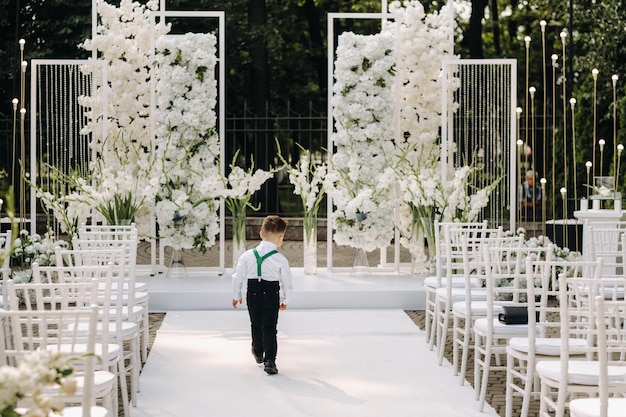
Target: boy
(268, 277)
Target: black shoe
(257, 358)
(270, 367)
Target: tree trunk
(318, 52)
(496, 27)
(259, 71)
(473, 35)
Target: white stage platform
(204, 289)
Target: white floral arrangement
(237, 190)
(187, 141)
(30, 381)
(423, 42)
(124, 42)
(307, 176)
(363, 104)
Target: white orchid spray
(307, 177)
(30, 381)
(237, 191)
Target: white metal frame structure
(163, 14)
(330, 126)
(491, 111)
(65, 118)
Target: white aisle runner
(331, 363)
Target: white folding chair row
(138, 297)
(462, 265)
(28, 330)
(472, 307)
(118, 339)
(611, 342)
(571, 377)
(505, 286)
(51, 331)
(440, 280)
(542, 341)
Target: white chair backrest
(475, 228)
(506, 280)
(604, 241)
(542, 279)
(610, 321)
(70, 331)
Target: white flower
(186, 140)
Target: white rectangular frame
(447, 123)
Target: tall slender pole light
(554, 58)
(527, 43)
(532, 91)
(595, 73)
(564, 84)
(572, 102)
(620, 148)
(543, 24)
(614, 79)
(564, 198)
(588, 164)
(543, 182)
(601, 143)
(520, 144)
(24, 65)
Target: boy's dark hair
(274, 224)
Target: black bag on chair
(514, 315)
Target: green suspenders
(260, 259)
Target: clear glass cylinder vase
(309, 240)
(177, 267)
(239, 236)
(429, 231)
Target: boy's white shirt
(274, 268)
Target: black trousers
(263, 301)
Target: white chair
(506, 286)
(432, 283)
(603, 240)
(42, 327)
(98, 238)
(611, 342)
(542, 341)
(448, 284)
(467, 311)
(570, 378)
(121, 337)
(71, 331)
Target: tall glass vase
(309, 239)
(177, 267)
(239, 236)
(429, 230)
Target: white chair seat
(481, 325)
(457, 282)
(580, 372)
(458, 294)
(590, 407)
(546, 346)
(77, 411)
(113, 351)
(139, 286)
(479, 308)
